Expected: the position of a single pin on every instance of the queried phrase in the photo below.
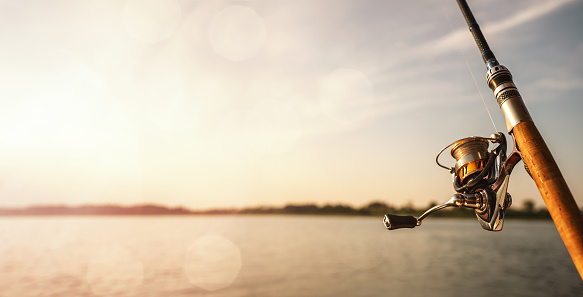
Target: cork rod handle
(553, 188)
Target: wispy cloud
(410, 66)
(533, 12)
(460, 39)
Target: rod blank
(487, 54)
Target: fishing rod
(480, 177)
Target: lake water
(279, 256)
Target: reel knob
(393, 222)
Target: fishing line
(469, 67)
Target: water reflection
(279, 256)
(357, 248)
(114, 271)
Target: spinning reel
(480, 179)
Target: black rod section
(487, 54)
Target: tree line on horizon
(376, 208)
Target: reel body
(480, 179)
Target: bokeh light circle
(237, 33)
(212, 262)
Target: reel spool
(471, 155)
(474, 164)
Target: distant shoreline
(372, 209)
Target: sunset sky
(243, 103)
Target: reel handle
(397, 222)
(475, 201)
